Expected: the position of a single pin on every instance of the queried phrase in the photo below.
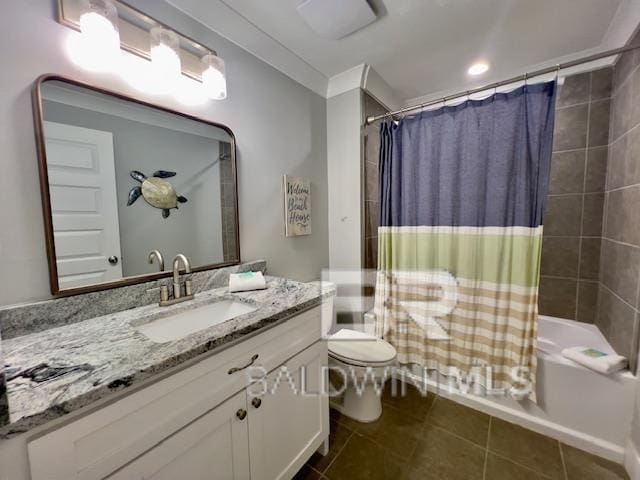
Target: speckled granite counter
(54, 372)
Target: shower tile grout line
(590, 100)
(618, 297)
(425, 420)
(584, 183)
(521, 465)
(337, 453)
(625, 79)
(625, 187)
(619, 242)
(486, 451)
(564, 464)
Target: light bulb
(98, 48)
(213, 77)
(165, 58)
(478, 68)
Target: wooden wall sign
(297, 206)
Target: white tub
(578, 406)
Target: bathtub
(577, 406)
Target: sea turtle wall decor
(157, 192)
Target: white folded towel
(602, 362)
(241, 282)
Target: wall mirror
(120, 177)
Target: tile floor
(434, 438)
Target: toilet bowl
(362, 363)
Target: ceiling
(420, 47)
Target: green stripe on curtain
(510, 259)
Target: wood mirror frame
(38, 116)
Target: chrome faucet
(177, 287)
(155, 255)
(177, 291)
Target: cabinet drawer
(96, 445)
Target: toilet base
(360, 388)
(364, 406)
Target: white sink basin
(179, 326)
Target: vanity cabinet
(211, 420)
(287, 424)
(214, 446)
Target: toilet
(363, 363)
(359, 362)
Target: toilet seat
(360, 349)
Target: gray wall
(573, 214)
(344, 119)
(280, 127)
(195, 229)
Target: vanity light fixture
(213, 76)
(111, 36)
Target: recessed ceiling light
(478, 68)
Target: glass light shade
(213, 77)
(165, 56)
(190, 92)
(478, 68)
(100, 39)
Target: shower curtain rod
(519, 78)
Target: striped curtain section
(462, 193)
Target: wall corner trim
(632, 461)
(378, 88)
(347, 80)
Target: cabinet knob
(113, 260)
(241, 413)
(256, 402)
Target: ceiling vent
(336, 19)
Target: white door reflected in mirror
(84, 205)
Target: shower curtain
(462, 193)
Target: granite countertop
(56, 371)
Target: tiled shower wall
(619, 305)
(572, 239)
(227, 191)
(371, 149)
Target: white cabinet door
(84, 205)
(290, 420)
(213, 447)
